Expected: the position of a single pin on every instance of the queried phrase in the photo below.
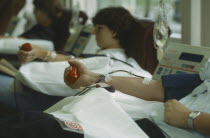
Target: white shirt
(118, 53)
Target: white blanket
(48, 77)
(98, 114)
(123, 104)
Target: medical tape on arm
(146, 81)
(50, 54)
(104, 78)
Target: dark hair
(134, 35)
(53, 8)
(119, 20)
(61, 19)
(62, 25)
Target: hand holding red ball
(26, 47)
(72, 75)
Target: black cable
(121, 61)
(125, 72)
(97, 55)
(84, 90)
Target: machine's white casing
(182, 58)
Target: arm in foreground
(129, 85)
(40, 53)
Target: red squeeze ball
(73, 75)
(26, 47)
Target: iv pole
(160, 32)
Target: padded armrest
(13, 59)
(146, 53)
(11, 45)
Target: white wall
(205, 23)
(196, 22)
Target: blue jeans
(6, 90)
(22, 98)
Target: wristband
(53, 55)
(47, 55)
(50, 54)
(71, 56)
(146, 80)
(104, 77)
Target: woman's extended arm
(134, 86)
(128, 85)
(40, 53)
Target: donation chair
(145, 52)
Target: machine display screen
(191, 57)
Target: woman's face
(105, 37)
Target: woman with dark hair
(134, 36)
(122, 36)
(120, 21)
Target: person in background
(53, 22)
